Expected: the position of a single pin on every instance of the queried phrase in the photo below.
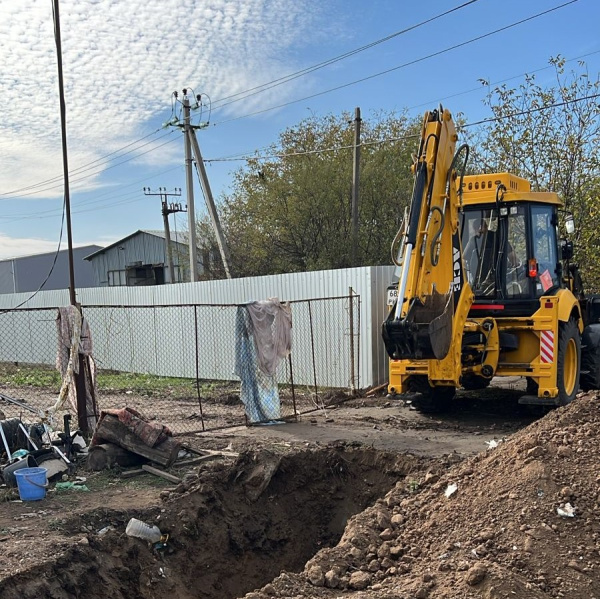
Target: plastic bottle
(141, 530)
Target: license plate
(392, 296)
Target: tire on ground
(431, 400)
(590, 358)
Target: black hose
(435, 259)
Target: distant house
(27, 273)
(141, 259)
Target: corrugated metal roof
(81, 247)
(177, 237)
(180, 238)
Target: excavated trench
(234, 530)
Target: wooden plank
(111, 429)
(201, 452)
(193, 461)
(161, 473)
(132, 473)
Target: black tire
(568, 361)
(590, 358)
(431, 400)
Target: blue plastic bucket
(32, 483)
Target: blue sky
(123, 59)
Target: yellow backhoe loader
(486, 287)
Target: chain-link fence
(180, 364)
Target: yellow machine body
(442, 333)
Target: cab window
(544, 248)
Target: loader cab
(510, 252)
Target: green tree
(550, 135)
(292, 211)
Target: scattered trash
(566, 511)
(70, 486)
(20, 453)
(104, 530)
(141, 530)
(492, 444)
(451, 489)
(8, 472)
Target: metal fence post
(292, 386)
(352, 373)
(312, 347)
(197, 367)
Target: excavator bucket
(425, 332)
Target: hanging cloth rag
(75, 339)
(262, 340)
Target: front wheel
(431, 400)
(568, 361)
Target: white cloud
(15, 247)
(12, 247)
(122, 60)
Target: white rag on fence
(263, 339)
(75, 338)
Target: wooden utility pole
(355, 182)
(187, 128)
(166, 210)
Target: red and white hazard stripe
(547, 347)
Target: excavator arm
(434, 298)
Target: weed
(413, 486)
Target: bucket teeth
(424, 333)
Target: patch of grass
(112, 477)
(28, 375)
(111, 381)
(145, 384)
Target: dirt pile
(234, 525)
(498, 534)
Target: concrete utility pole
(355, 181)
(189, 181)
(223, 248)
(166, 210)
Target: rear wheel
(568, 361)
(590, 358)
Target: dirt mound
(498, 534)
(233, 527)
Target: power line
(404, 65)
(407, 137)
(83, 178)
(84, 166)
(290, 77)
(493, 83)
(531, 111)
(118, 200)
(88, 166)
(62, 224)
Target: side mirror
(566, 249)
(570, 224)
